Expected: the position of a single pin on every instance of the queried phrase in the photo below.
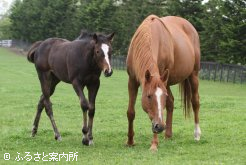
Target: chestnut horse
(163, 52)
(77, 62)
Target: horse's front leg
(84, 106)
(132, 91)
(154, 143)
(92, 93)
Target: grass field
(223, 123)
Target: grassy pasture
(222, 118)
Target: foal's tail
(32, 50)
(186, 95)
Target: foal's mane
(85, 35)
(141, 50)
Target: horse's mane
(140, 49)
(84, 34)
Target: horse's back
(186, 48)
(43, 53)
(151, 42)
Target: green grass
(222, 116)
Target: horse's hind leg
(48, 83)
(40, 108)
(169, 118)
(195, 103)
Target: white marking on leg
(91, 142)
(158, 94)
(105, 49)
(197, 132)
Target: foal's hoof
(33, 134)
(85, 142)
(58, 138)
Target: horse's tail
(32, 50)
(186, 95)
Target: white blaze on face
(158, 94)
(105, 49)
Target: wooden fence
(209, 70)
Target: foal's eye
(149, 96)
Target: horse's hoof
(197, 138)
(85, 142)
(153, 148)
(130, 144)
(168, 135)
(33, 134)
(91, 142)
(58, 138)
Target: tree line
(221, 23)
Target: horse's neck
(153, 69)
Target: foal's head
(154, 96)
(102, 52)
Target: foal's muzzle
(108, 73)
(157, 128)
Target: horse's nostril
(156, 126)
(108, 72)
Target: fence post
(221, 73)
(234, 76)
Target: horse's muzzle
(157, 128)
(108, 73)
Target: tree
(223, 38)
(4, 27)
(193, 11)
(34, 20)
(212, 34)
(129, 15)
(234, 31)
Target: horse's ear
(95, 37)
(111, 37)
(165, 76)
(147, 76)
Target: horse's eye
(97, 51)
(149, 96)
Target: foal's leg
(92, 93)
(195, 103)
(132, 91)
(48, 86)
(40, 107)
(169, 118)
(84, 106)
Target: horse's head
(102, 52)
(154, 96)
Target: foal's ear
(165, 76)
(95, 38)
(147, 76)
(110, 37)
